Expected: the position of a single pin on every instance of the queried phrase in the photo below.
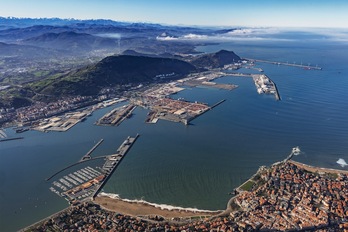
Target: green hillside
(111, 71)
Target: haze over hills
(72, 42)
(27, 51)
(60, 56)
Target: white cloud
(269, 34)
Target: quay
(88, 154)
(116, 116)
(209, 84)
(115, 161)
(308, 67)
(264, 84)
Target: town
(285, 197)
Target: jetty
(307, 67)
(88, 154)
(9, 139)
(72, 165)
(113, 161)
(218, 103)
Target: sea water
(196, 166)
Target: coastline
(318, 169)
(114, 203)
(171, 214)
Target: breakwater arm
(88, 154)
(122, 151)
(74, 164)
(9, 139)
(309, 67)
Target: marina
(87, 182)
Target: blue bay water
(196, 165)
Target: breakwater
(309, 67)
(9, 139)
(88, 154)
(121, 153)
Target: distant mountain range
(72, 42)
(15, 50)
(80, 38)
(39, 51)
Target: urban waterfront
(195, 165)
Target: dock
(265, 85)
(307, 67)
(115, 160)
(116, 116)
(210, 84)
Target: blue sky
(280, 13)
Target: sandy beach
(317, 169)
(142, 209)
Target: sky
(248, 13)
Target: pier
(116, 116)
(9, 139)
(88, 154)
(308, 67)
(218, 103)
(265, 85)
(294, 151)
(117, 158)
(188, 120)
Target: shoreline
(114, 203)
(145, 210)
(311, 168)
